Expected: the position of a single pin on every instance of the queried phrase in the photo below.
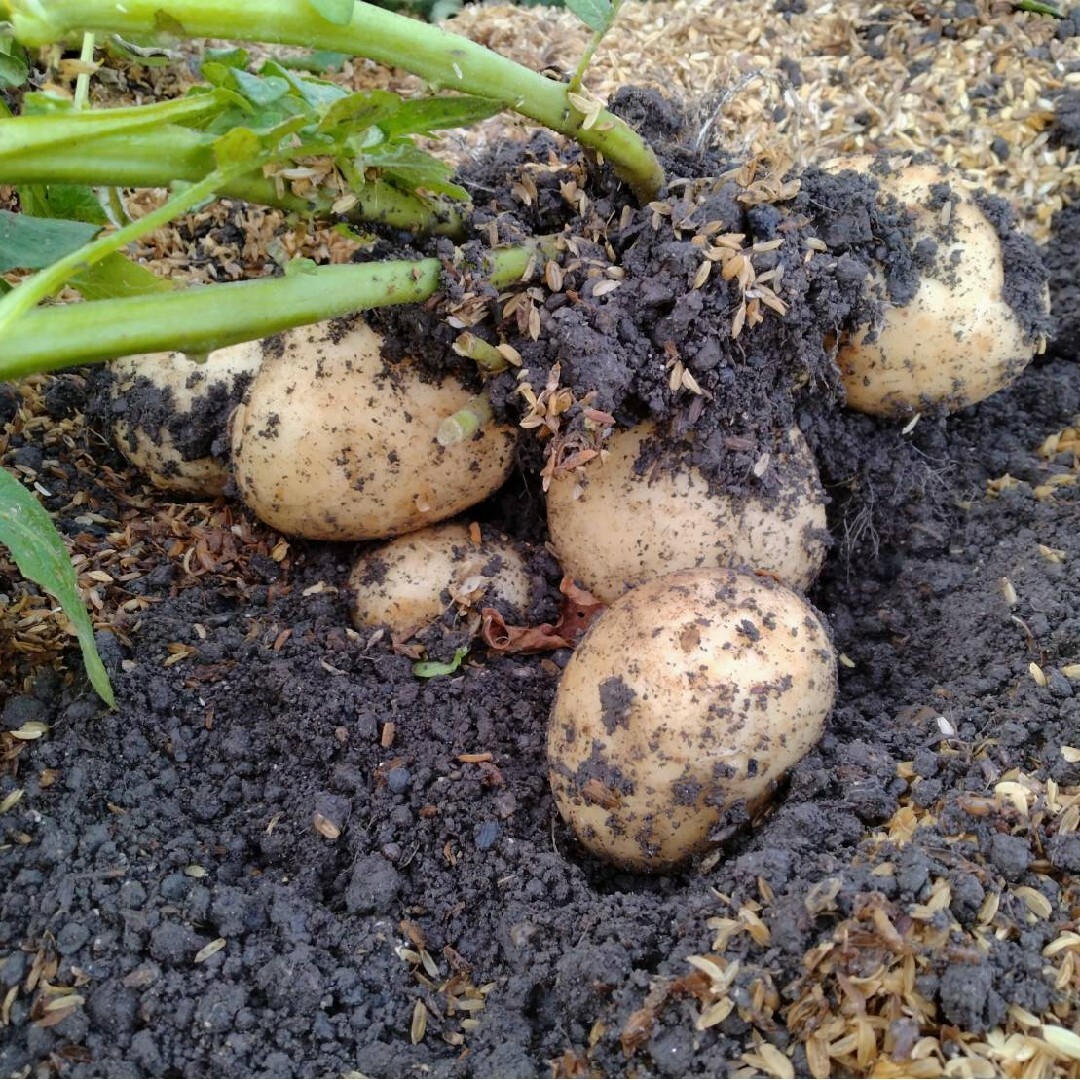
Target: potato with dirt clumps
(625, 519)
(172, 409)
(401, 584)
(691, 694)
(957, 340)
(333, 443)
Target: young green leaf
(407, 166)
(75, 202)
(361, 110)
(31, 243)
(116, 275)
(339, 12)
(318, 62)
(428, 669)
(418, 116)
(319, 94)
(13, 66)
(234, 57)
(597, 15)
(260, 90)
(29, 534)
(236, 147)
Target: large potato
(171, 409)
(332, 443)
(691, 693)
(401, 584)
(957, 341)
(614, 527)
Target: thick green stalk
(66, 130)
(202, 318)
(445, 60)
(160, 156)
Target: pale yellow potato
(957, 341)
(613, 528)
(691, 693)
(332, 443)
(401, 583)
(189, 384)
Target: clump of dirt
(1060, 258)
(286, 854)
(673, 311)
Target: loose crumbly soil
(284, 854)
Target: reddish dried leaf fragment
(578, 609)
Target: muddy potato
(691, 693)
(171, 410)
(331, 443)
(402, 584)
(614, 527)
(958, 340)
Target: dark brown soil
(378, 856)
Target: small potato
(957, 341)
(171, 410)
(332, 443)
(614, 527)
(691, 693)
(401, 584)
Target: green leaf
(597, 15)
(13, 66)
(319, 62)
(75, 202)
(300, 266)
(360, 111)
(236, 146)
(30, 535)
(117, 275)
(31, 243)
(233, 58)
(258, 89)
(317, 93)
(421, 115)
(407, 166)
(339, 12)
(428, 669)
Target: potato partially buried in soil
(409, 582)
(332, 443)
(172, 414)
(615, 525)
(958, 339)
(690, 694)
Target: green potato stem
(488, 359)
(200, 319)
(467, 421)
(38, 150)
(445, 60)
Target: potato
(331, 443)
(401, 584)
(164, 399)
(614, 528)
(957, 341)
(691, 693)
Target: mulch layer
(283, 854)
